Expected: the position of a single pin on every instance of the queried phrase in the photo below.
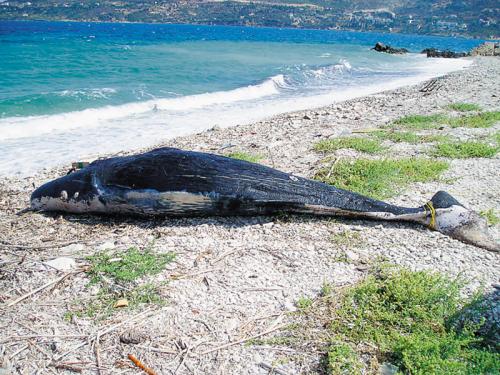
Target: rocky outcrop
(486, 49)
(485, 314)
(432, 52)
(381, 47)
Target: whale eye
(64, 195)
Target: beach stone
(352, 256)
(388, 369)
(289, 306)
(61, 264)
(106, 246)
(74, 248)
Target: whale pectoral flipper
(173, 182)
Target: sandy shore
(234, 278)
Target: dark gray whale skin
(173, 182)
(234, 187)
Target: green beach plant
(496, 138)
(408, 316)
(369, 146)
(304, 302)
(380, 179)
(480, 120)
(342, 359)
(347, 238)
(240, 155)
(417, 321)
(463, 107)
(463, 150)
(490, 216)
(127, 266)
(409, 137)
(419, 122)
(326, 289)
(397, 136)
(117, 275)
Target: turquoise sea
(71, 90)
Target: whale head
(75, 192)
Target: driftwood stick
(243, 340)
(97, 354)
(331, 167)
(29, 337)
(139, 364)
(226, 254)
(183, 359)
(19, 351)
(36, 247)
(56, 281)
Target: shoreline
(234, 277)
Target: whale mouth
(65, 192)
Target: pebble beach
(237, 279)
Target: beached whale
(173, 182)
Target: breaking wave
(21, 127)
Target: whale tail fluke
(450, 217)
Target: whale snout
(64, 193)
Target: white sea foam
(331, 70)
(21, 127)
(100, 93)
(30, 143)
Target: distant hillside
(441, 17)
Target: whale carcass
(173, 182)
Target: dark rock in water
(432, 52)
(381, 47)
(428, 51)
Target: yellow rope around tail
(432, 210)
